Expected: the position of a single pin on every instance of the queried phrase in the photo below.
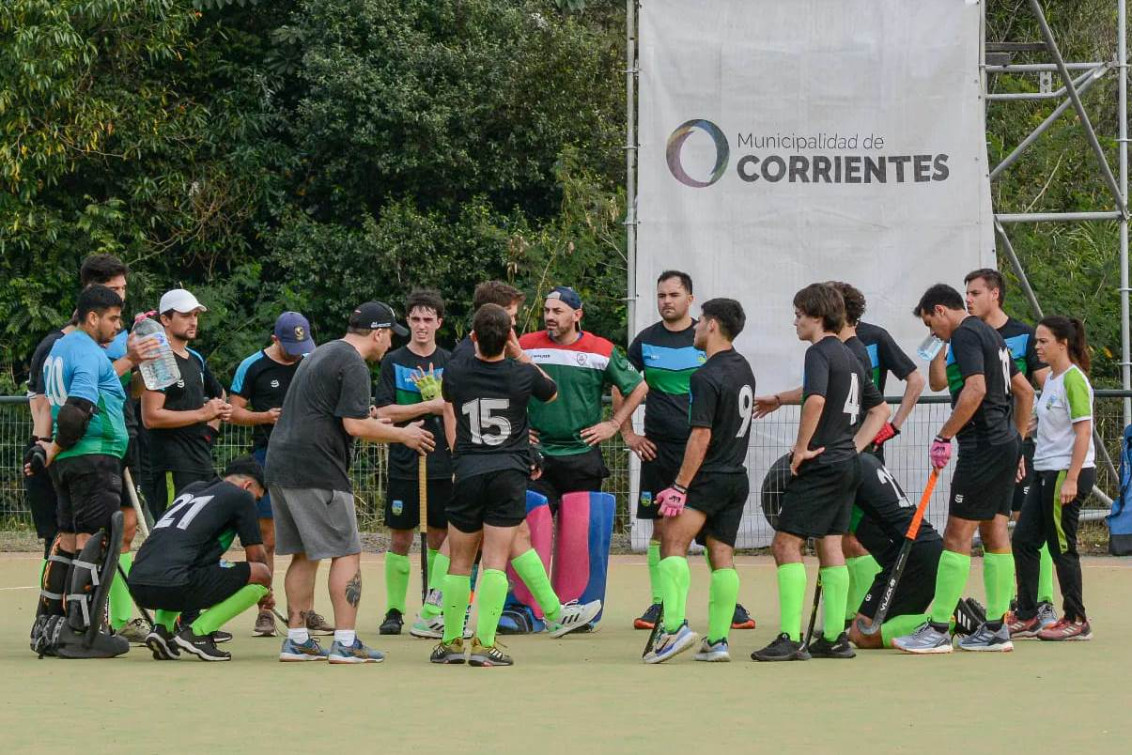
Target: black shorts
(88, 490)
(402, 503)
(983, 484)
(722, 496)
(497, 499)
(39, 491)
(1022, 489)
(819, 501)
(570, 474)
(207, 586)
(656, 475)
(917, 585)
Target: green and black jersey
(667, 359)
(396, 386)
(977, 349)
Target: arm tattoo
(354, 589)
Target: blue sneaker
(671, 645)
(713, 652)
(302, 651)
(356, 653)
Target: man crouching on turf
(711, 488)
(178, 567)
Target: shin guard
(581, 553)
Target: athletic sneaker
(1021, 629)
(927, 640)
(1067, 631)
(451, 652)
(782, 649)
(839, 648)
(316, 624)
(302, 651)
(742, 619)
(393, 622)
(135, 631)
(265, 625)
(713, 652)
(1047, 614)
(356, 653)
(969, 616)
(429, 629)
(220, 636)
(987, 640)
(648, 619)
(669, 646)
(572, 617)
(202, 646)
(160, 641)
(484, 656)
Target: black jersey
(885, 355)
(186, 449)
(490, 402)
(832, 371)
(885, 511)
(668, 360)
(35, 377)
(263, 383)
(977, 349)
(396, 386)
(1019, 338)
(195, 531)
(723, 394)
(857, 346)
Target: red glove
(671, 500)
(887, 433)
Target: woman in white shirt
(1065, 473)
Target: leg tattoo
(354, 589)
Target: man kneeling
(178, 567)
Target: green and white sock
(654, 571)
(121, 605)
(437, 573)
(530, 569)
(491, 593)
(791, 596)
(675, 577)
(950, 580)
(835, 593)
(457, 591)
(1045, 576)
(396, 580)
(722, 597)
(998, 577)
(227, 609)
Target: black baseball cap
(567, 296)
(376, 314)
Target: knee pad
(54, 582)
(92, 574)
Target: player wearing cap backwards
(258, 389)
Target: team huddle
(493, 441)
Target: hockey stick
(422, 506)
(813, 613)
(657, 628)
(141, 609)
(901, 560)
(143, 523)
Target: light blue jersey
(80, 368)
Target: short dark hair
(728, 314)
(101, 268)
(824, 302)
(939, 295)
(425, 298)
(854, 301)
(96, 298)
(356, 331)
(492, 326)
(993, 279)
(498, 293)
(685, 279)
(245, 466)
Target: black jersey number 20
(481, 418)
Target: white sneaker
(572, 617)
(713, 652)
(429, 629)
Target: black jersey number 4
(183, 511)
(486, 425)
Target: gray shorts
(317, 523)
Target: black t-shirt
(309, 446)
(857, 346)
(885, 355)
(886, 512)
(1019, 338)
(490, 401)
(668, 360)
(834, 372)
(35, 377)
(723, 394)
(464, 349)
(186, 449)
(263, 382)
(977, 349)
(195, 531)
(395, 386)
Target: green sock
(898, 626)
(862, 571)
(950, 579)
(457, 590)
(42, 569)
(835, 593)
(1045, 576)
(437, 573)
(654, 571)
(167, 619)
(791, 595)
(430, 559)
(121, 605)
(490, 595)
(675, 577)
(998, 576)
(530, 569)
(723, 595)
(227, 609)
(851, 565)
(396, 580)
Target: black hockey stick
(657, 628)
(813, 613)
(141, 609)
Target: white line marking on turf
(32, 587)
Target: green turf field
(581, 694)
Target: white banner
(783, 143)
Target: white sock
(345, 637)
(300, 635)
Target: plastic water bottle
(929, 348)
(161, 371)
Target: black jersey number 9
(480, 413)
(746, 404)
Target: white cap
(180, 300)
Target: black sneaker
(647, 620)
(782, 649)
(742, 619)
(202, 646)
(969, 616)
(393, 622)
(839, 648)
(220, 636)
(160, 642)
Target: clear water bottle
(929, 349)
(162, 371)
